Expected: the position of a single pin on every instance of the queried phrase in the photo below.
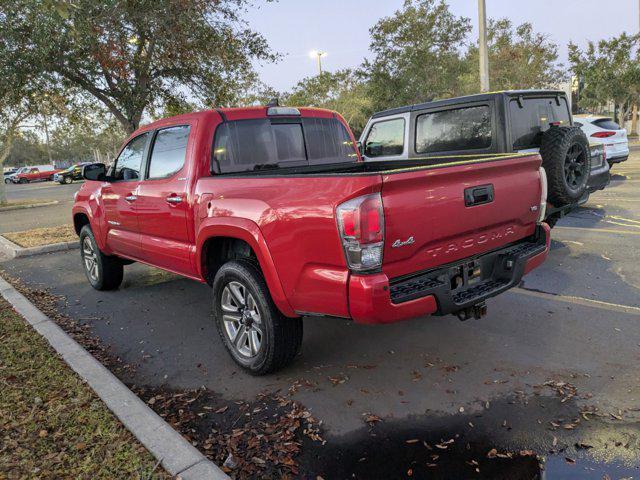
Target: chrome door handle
(174, 200)
(131, 198)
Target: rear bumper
(376, 299)
(619, 159)
(599, 178)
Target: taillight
(543, 195)
(361, 227)
(603, 134)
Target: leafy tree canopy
(344, 91)
(417, 54)
(609, 71)
(519, 58)
(133, 55)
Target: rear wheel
(259, 338)
(104, 272)
(23, 180)
(67, 180)
(567, 162)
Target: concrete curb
(34, 205)
(177, 456)
(14, 251)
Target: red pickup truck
(36, 174)
(274, 208)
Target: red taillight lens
(361, 227)
(603, 134)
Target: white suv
(607, 132)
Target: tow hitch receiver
(476, 311)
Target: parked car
(74, 172)
(273, 207)
(527, 121)
(39, 173)
(605, 131)
(6, 175)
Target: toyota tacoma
(274, 208)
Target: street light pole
(484, 52)
(318, 54)
(46, 134)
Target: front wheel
(23, 180)
(67, 180)
(259, 338)
(104, 272)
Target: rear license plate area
(465, 275)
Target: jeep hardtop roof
(465, 99)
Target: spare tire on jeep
(567, 161)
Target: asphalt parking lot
(574, 322)
(49, 216)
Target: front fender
(95, 213)
(249, 232)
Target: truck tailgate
(443, 214)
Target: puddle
(515, 439)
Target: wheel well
(217, 251)
(79, 221)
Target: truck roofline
(464, 99)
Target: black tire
(567, 161)
(23, 180)
(108, 271)
(67, 180)
(280, 337)
(7, 181)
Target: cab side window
(129, 162)
(168, 152)
(385, 138)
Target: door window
(452, 130)
(168, 152)
(128, 164)
(385, 138)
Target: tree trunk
(6, 150)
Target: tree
(133, 55)
(417, 54)
(609, 71)
(519, 58)
(344, 91)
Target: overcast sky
(341, 27)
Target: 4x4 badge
(400, 243)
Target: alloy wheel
(90, 259)
(241, 319)
(575, 167)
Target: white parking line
(587, 302)
(600, 230)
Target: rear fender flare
(248, 231)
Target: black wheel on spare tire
(567, 162)
(259, 338)
(104, 272)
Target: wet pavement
(573, 325)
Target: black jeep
(494, 123)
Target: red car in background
(36, 174)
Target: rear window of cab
(272, 143)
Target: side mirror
(95, 171)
